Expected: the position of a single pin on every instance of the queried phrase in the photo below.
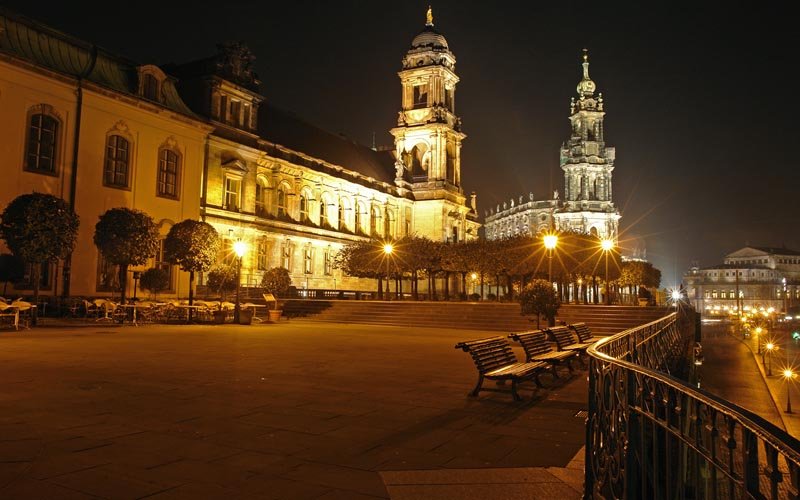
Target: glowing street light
(770, 346)
(387, 251)
(788, 375)
(239, 248)
(607, 245)
(550, 242)
(758, 331)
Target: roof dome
(586, 86)
(429, 38)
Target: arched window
(388, 224)
(280, 208)
(168, 173)
(341, 214)
(150, 87)
(261, 198)
(115, 172)
(40, 155)
(359, 212)
(373, 222)
(323, 213)
(304, 207)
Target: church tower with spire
(428, 140)
(587, 164)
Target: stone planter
(275, 315)
(219, 317)
(246, 316)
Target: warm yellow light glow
(771, 310)
(788, 373)
(758, 330)
(474, 276)
(388, 249)
(770, 346)
(240, 247)
(676, 295)
(607, 245)
(550, 241)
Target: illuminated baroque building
(587, 164)
(200, 141)
(761, 276)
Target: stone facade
(294, 193)
(587, 163)
(763, 277)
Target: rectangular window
(408, 222)
(714, 294)
(40, 155)
(328, 264)
(161, 263)
(262, 255)
(236, 115)
(233, 193)
(223, 109)
(246, 119)
(707, 294)
(107, 275)
(115, 173)
(286, 256)
(308, 260)
(420, 96)
(168, 170)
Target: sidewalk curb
(761, 370)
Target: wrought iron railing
(652, 435)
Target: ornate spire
(429, 17)
(586, 87)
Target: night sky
(698, 98)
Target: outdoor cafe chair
(24, 311)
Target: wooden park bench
(495, 360)
(536, 348)
(584, 334)
(566, 342)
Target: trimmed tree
(276, 281)
(539, 298)
(39, 228)
(193, 245)
(126, 237)
(222, 279)
(154, 280)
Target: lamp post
(550, 242)
(607, 245)
(788, 375)
(136, 276)
(770, 346)
(239, 248)
(387, 251)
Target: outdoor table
(11, 312)
(188, 307)
(134, 307)
(255, 311)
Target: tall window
(41, 152)
(408, 222)
(359, 208)
(420, 96)
(281, 201)
(328, 264)
(168, 170)
(261, 199)
(286, 256)
(161, 263)
(223, 108)
(236, 109)
(308, 260)
(115, 173)
(323, 213)
(304, 207)
(233, 193)
(107, 275)
(373, 221)
(246, 118)
(262, 254)
(388, 223)
(26, 282)
(150, 87)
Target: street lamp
(607, 245)
(788, 375)
(758, 332)
(770, 346)
(550, 242)
(387, 251)
(240, 247)
(676, 297)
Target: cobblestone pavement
(293, 410)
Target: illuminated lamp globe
(607, 245)
(240, 247)
(550, 241)
(388, 249)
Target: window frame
(162, 164)
(43, 113)
(236, 194)
(117, 161)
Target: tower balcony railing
(650, 434)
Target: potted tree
(275, 282)
(192, 245)
(644, 296)
(221, 279)
(539, 298)
(154, 280)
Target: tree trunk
(123, 282)
(380, 288)
(447, 285)
(37, 269)
(432, 292)
(482, 286)
(594, 290)
(191, 293)
(464, 284)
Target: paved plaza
(296, 410)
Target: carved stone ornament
(236, 61)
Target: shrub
(491, 296)
(154, 280)
(539, 298)
(222, 279)
(474, 296)
(276, 281)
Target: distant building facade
(587, 163)
(199, 141)
(751, 277)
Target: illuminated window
(714, 294)
(323, 213)
(388, 224)
(373, 221)
(304, 216)
(233, 193)
(286, 256)
(115, 173)
(262, 254)
(236, 112)
(246, 118)
(168, 173)
(328, 264)
(342, 223)
(408, 222)
(281, 201)
(707, 294)
(420, 96)
(308, 260)
(40, 155)
(261, 198)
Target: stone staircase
(501, 317)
